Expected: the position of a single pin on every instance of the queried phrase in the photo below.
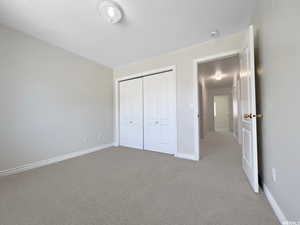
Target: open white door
(248, 109)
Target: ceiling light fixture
(215, 34)
(218, 76)
(110, 11)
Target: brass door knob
(246, 116)
(250, 116)
(258, 115)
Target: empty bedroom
(158, 113)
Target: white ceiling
(228, 67)
(149, 28)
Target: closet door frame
(117, 98)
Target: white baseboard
(53, 160)
(186, 156)
(278, 212)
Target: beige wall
(52, 102)
(278, 80)
(183, 59)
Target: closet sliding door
(160, 113)
(131, 113)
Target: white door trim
(132, 76)
(221, 55)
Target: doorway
(223, 117)
(211, 71)
(218, 100)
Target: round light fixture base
(215, 33)
(110, 11)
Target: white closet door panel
(131, 113)
(160, 113)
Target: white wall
(183, 59)
(278, 79)
(52, 102)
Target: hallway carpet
(121, 186)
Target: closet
(147, 112)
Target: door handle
(156, 122)
(250, 116)
(257, 116)
(246, 116)
(131, 122)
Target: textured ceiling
(149, 28)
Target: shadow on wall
(201, 110)
(258, 74)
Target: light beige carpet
(121, 186)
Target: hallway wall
(278, 79)
(203, 107)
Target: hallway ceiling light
(110, 11)
(218, 76)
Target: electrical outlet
(99, 136)
(274, 175)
